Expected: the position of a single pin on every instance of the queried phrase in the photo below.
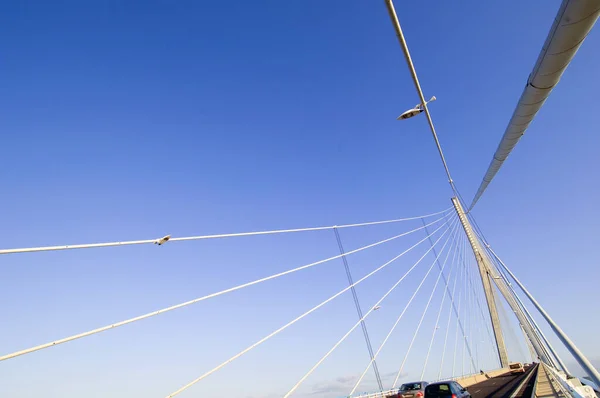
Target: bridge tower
(485, 279)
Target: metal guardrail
(378, 394)
(382, 394)
(567, 387)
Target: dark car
(446, 389)
(412, 390)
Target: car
(516, 367)
(446, 389)
(412, 390)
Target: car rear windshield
(515, 366)
(438, 390)
(410, 387)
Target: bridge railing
(378, 394)
(570, 387)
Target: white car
(516, 367)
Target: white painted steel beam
(573, 22)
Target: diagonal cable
(436, 325)
(459, 324)
(168, 238)
(466, 318)
(509, 327)
(209, 296)
(543, 341)
(425, 310)
(358, 309)
(469, 303)
(462, 278)
(456, 277)
(407, 306)
(477, 289)
(466, 344)
(295, 387)
(259, 342)
(472, 315)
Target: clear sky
(135, 119)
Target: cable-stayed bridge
(461, 329)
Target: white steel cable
(500, 265)
(466, 313)
(542, 345)
(460, 323)
(414, 337)
(540, 339)
(477, 289)
(484, 324)
(295, 387)
(486, 334)
(439, 314)
(455, 310)
(491, 341)
(468, 302)
(457, 322)
(209, 296)
(468, 338)
(508, 329)
(467, 317)
(406, 308)
(480, 305)
(456, 277)
(460, 304)
(472, 316)
(204, 237)
(480, 335)
(358, 308)
(487, 349)
(259, 342)
(476, 333)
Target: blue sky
(132, 120)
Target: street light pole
(413, 72)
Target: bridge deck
(506, 385)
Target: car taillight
(419, 394)
(453, 395)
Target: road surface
(504, 386)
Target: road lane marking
(522, 384)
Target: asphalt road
(501, 386)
